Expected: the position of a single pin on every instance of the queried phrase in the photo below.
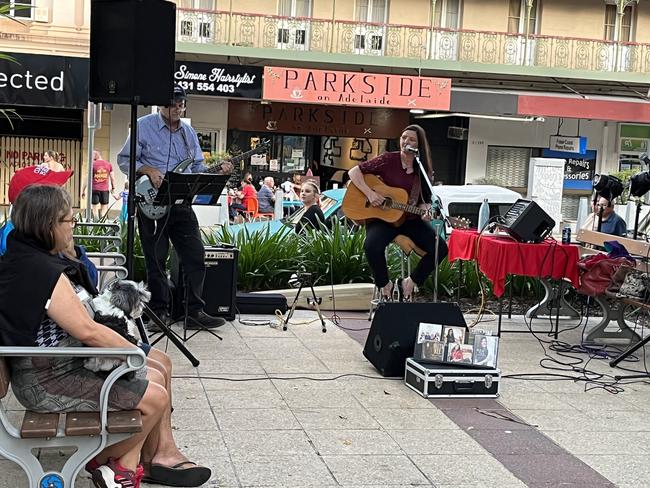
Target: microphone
(411, 149)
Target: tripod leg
(629, 351)
(171, 335)
(317, 305)
(293, 308)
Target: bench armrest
(135, 360)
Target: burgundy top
(388, 167)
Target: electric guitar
(145, 192)
(394, 208)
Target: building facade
(521, 72)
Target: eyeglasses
(178, 105)
(72, 221)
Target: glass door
(293, 25)
(446, 19)
(370, 32)
(196, 21)
(613, 58)
(520, 42)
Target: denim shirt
(154, 149)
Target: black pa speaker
(526, 221)
(219, 287)
(394, 328)
(132, 46)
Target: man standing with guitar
(164, 141)
(397, 170)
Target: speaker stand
(186, 314)
(130, 221)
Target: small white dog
(117, 307)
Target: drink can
(566, 235)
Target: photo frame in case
(485, 350)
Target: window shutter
(509, 165)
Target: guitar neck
(405, 207)
(236, 159)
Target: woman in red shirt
(399, 169)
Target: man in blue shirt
(164, 141)
(265, 196)
(612, 223)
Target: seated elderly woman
(42, 304)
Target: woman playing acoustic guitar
(399, 169)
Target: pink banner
(360, 89)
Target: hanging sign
(576, 145)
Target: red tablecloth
(499, 256)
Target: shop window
(22, 9)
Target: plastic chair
(252, 209)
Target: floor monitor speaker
(132, 46)
(394, 329)
(526, 221)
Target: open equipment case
(450, 381)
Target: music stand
(191, 189)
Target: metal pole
(529, 6)
(431, 53)
(130, 223)
(94, 116)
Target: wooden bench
(614, 309)
(88, 432)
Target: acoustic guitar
(394, 209)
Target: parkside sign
(324, 87)
(49, 81)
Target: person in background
(266, 196)
(612, 223)
(242, 196)
(297, 183)
(102, 176)
(51, 161)
(313, 215)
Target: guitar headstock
(459, 223)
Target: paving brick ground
(268, 408)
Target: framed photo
(459, 353)
(432, 351)
(452, 335)
(486, 349)
(429, 332)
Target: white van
(464, 201)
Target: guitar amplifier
(220, 285)
(526, 221)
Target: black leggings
(379, 234)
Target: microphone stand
(438, 211)
(600, 218)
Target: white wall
(208, 113)
(488, 132)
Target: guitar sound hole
(387, 202)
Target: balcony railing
(405, 41)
